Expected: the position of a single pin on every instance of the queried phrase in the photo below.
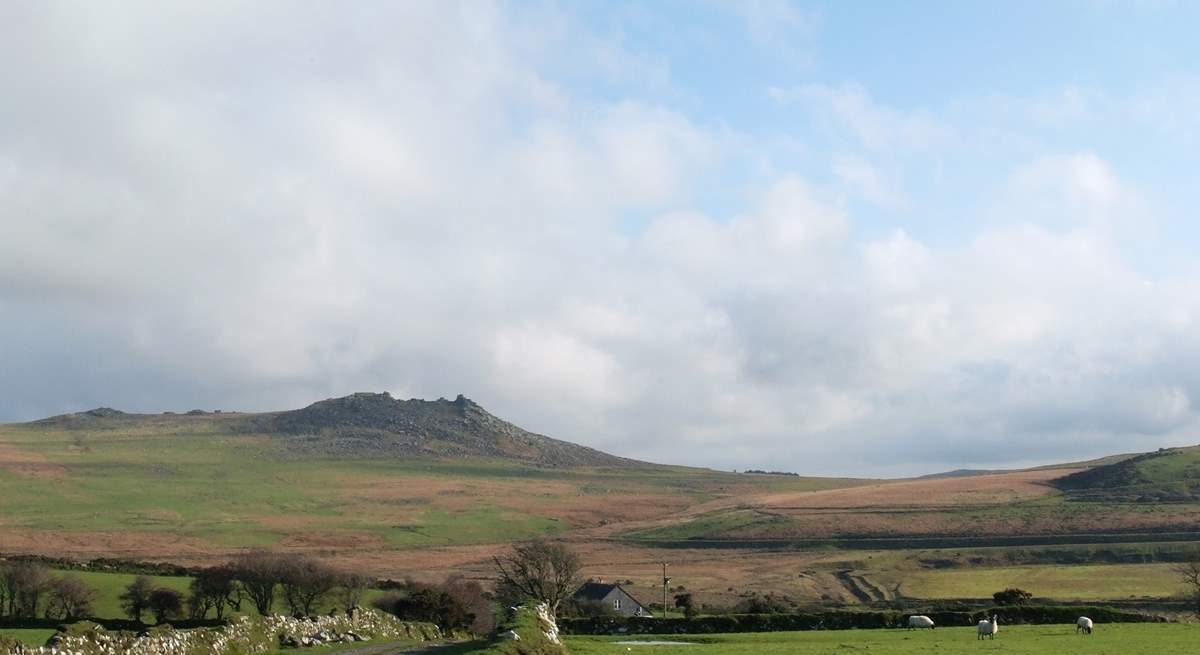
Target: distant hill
(1168, 474)
(374, 424)
(1086, 464)
(959, 473)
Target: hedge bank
(844, 620)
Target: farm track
(860, 587)
(428, 649)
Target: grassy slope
(1076, 582)
(1006, 505)
(192, 481)
(1171, 474)
(110, 586)
(1124, 639)
(187, 488)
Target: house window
(616, 603)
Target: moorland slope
(398, 487)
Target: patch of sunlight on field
(1124, 639)
(34, 637)
(1074, 582)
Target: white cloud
(778, 26)
(867, 180)
(850, 106)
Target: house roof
(596, 591)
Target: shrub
(687, 603)
(1012, 596)
(766, 604)
(135, 600)
(165, 603)
(456, 604)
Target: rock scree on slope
(378, 423)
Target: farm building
(608, 598)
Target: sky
(836, 238)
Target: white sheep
(988, 628)
(1083, 624)
(919, 621)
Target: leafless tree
(69, 597)
(538, 570)
(259, 572)
(23, 584)
(351, 588)
(1189, 575)
(306, 582)
(212, 589)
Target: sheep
(919, 621)
(1083, 624)
(988, 628)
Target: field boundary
(846, 620)
(921, 542)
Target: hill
(378, 423)
(372, 424)
(365, 479)
(1168, 474)
(429, 488)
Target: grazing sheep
(988, 628)
(1084, 624)
(919, 621)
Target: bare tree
(69, 597)
(259, 572)
(24, 584)
(538, 570)
(351, 588)
(306, 582)
(213, 589)
(135, 600)
(1189, 575)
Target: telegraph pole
(666, 581)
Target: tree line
(260, 580)
(255, 579)
(30, 588)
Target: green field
(1123, 639)
(110, 586)
(1074, 582)
(35, 637)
